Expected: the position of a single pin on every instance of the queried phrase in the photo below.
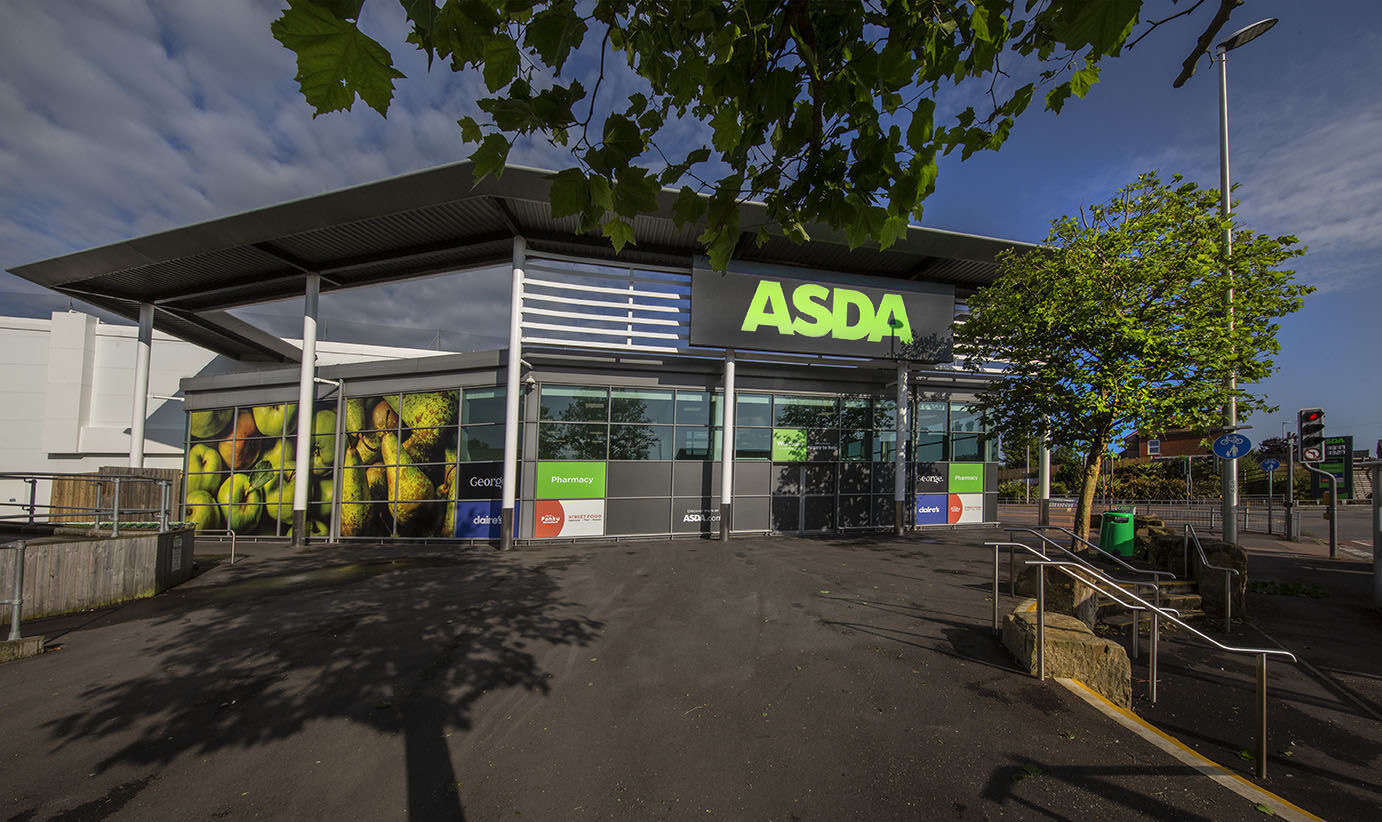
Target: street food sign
(771, 309)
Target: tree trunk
(1088, 482)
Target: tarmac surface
(776, 678)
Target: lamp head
(1246, 34)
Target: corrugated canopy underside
(428, 222)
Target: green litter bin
(1116, 533)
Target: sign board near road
(1270, 465)
(1231, 446)
(1337, 460)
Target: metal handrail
(1071, 568)
(1204, 562)
(1096, 547)
(206, 532)
(115, 479)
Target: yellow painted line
(1189, 756)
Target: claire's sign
(835, 314)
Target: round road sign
(1311, 454)
(1271, 464)
(1232, 446)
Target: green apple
(272, 420)
(207, 424)
(202, 511)
(241, 505)
(322, 507)
(278, 498)
(323, 441)
(203, 462)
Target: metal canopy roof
(428, 222)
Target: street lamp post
(1230, 472)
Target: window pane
(856, 445)
(754, 409)
(482, 405)
(571, 442)
(694, 442)
(699, 408)
(931, 416)
(482, 443)
(962, 419)
(753, 443)
(635, 405)
(965, 448)
(641, 442)
(571, 404)
(803, 412)
(856, 412)
(930, 448)
(885, 414)
(884, 446)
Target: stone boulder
(1211, 581)
(1072, 650)
(1063, 594)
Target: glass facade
(608, 461)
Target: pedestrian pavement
(772, 678)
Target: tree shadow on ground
(402, 645)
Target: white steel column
(727, 450)
(140, 410)
(900, 458)
(307, 389)
(513, 423)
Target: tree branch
(1187, 69)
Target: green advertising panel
(570, 480)
(789, 445)
(966, 477)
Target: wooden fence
(75, 493)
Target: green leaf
(1082, 80)
(501, 61)
(569, 194)
(923, 122)
(700, 155)
(489, 158)
(688, 208)
(635, 192)
(336, 61)
(470, 130)
(1260, 808)
(619, 232)
(423, 15)
(554, 32)
(1103, 25)
(622, 139)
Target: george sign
(1270, 465)
(766, 308)
(570, 479)
(479, 480)
(568, 518)
(1231, 446)
(932, 477)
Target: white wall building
(68, 387)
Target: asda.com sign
(834, 314)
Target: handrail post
(1185, 551)
(96, 514)
(1134, 652)
(1012, 577)
(33, 498)
(1041, 621)
(996, 549)
(166, 496)
(17, 600)
(115, 511)
(1156, 636)
(1261, 716)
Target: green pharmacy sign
(570, 480)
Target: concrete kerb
(12, 649)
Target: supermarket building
(808, 388)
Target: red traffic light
(1311, 416)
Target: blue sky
(124, 117)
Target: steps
(1182, 595)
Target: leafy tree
(831, 112)
(1118, 323)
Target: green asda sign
(773, 308)
(570, 480)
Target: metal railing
(16, 600)
(1109, 587)
(1229, 573)
(219, 532)
(1254, 515)
(1037, 529)
(31, 509)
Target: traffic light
(1310, 424)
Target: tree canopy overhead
(830, 112)
(1120, 322)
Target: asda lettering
(818, 311)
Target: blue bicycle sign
(1232, 446)
(1270, 465)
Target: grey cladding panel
(637, 516)
(751, 478)
(751, 514)
(639, 479)
(696, 478)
